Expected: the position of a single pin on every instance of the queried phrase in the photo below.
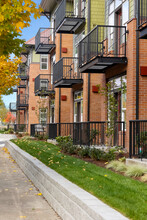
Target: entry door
(78, 111)
(52, 115)
(117, 96)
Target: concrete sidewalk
(5, 137)
(19, 199)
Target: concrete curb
(66, 198)
(137, 162)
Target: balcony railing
(44, 85)
(83, 133)
(45, 41)
(22, 84)
(23, 71)
(67, 18)
(102, 47)
(13, 107)
(66, 72)
(22, 100)
(142, 12)
(138, 138)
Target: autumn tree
(3, 111)
(14, 16)
(10, 118)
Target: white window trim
(43, 62)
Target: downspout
(88, 30)
(137, 60)
(60, 88)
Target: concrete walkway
(19, 199)
(5, 137)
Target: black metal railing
(13, 107)
(22, 100)
(138, 138)
(22, 84)
(18, 127)
(84, 133)
(103, 41)
(44, 37)
(66, 10)
(142, 11)
(66, 68)
(43, 84)
(23, 71)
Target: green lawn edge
(122, 193)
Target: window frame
(43, 62)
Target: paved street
(5, 137)
(19, 199)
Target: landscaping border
(67, 199)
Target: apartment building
(90, 43)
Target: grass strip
(124, 194)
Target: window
(116, 6)
(44, 84)
(117, 86)
(125, 12)
(29, 59)
(118, 3)
(44, 62)
(43, 116)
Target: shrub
(110, 155)
(16, 132)
(19, 135)
(96, 154)
(121, 167)
(65, 142)
(135, 170)
(40, 137)
(72, 149)
(45, 137)
(9, 131)
(84, 151)
(113, 164)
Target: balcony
(102, 48)
(23, 71)
(13, 107)
(22, 84)
(45, 41)
(44, 85)
(67, 18)
(66, 73)
(22, 101)
(142, 18)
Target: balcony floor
(46, 93)
(45, 48)
(100, 64)
(67, 83)
(70, 25)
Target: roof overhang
(48, 5)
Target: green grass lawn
(2, 131)
(126, 195)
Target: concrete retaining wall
(67, 199)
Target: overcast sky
(28, 33)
